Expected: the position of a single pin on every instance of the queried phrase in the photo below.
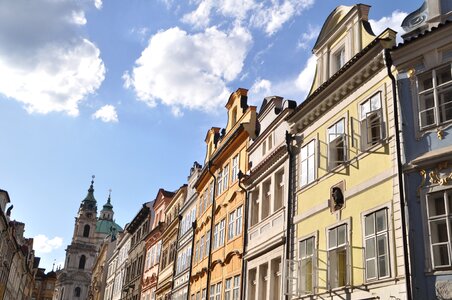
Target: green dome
(106, 227)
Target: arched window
(86, 231)
(81, 263)
(77, 292)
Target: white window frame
(231, 222)
(215, 236)
(220, 182)
(238, 220)
(305, 256)
(434, 91)
(225, 177)
(371, 238)
(307, 159)
(221, 232)
(235, 167)
(228, 289)
(334, 137)
(330, 249)
(447, 217)
(236, 287)
(371, 119)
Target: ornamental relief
(441, 175)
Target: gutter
(240, 175)
(289, 224)
(193, 226)
(209, 260)
(179, 218)
(403, 204)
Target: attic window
(234, 116)
(339, 59)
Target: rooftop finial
(92, 180)
(109, 196)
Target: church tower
(89, 231)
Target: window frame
(332, 164)
(434, 90)
(313, 258)
(235, 167)
(364, 124)
(312, 156)
(346, 246)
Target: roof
(107, 226)
(422, 34)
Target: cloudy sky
(126, 90)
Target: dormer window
(339, 59)
(234, 116)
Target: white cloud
(260, 89)
(306, 76)
(45, 63)
(269, 15)
(306, 37)
(394, 22)
(189, 71)
(107, 114)
(42, 244)
(98, 4)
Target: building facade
(185, 240)
(349, 237)
(217, 264)
(267, 187)
(423, 62)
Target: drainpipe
(179, 217)
(388, 61)
(240, 175)
(289, 139)
(209, 260)
(193, 226)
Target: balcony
(267, 232)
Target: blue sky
(126, 90)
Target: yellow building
(218, 240)
(349, 241)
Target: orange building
(218, 241)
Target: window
(228, 289)
(336, 144)
(231, 225)
(234, 116)
(203, 294)
(215, 236)
(439, 207)
(235, 168)
(211, 192)
(86, 230)
(371, 121)
(195, 259)
(225, 178)
(77, 292)
(376, 245)
(219, 182)
(339, 59)
(215, 291)
(238, 221)
(270, 141)
(236, 288)
(435, 97)
(307, 261)
(337, 256)
(207, 242)
(308, 163)
(81, 263)
(201, 248)
(221, 233)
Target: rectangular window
(215, 291)
(196, 254)
(339, 59)
(201, 248)
(228, 289)
(219, 182)
(306, 255)
(336, 144)
(203, 294)
(338, 256)
(225, 178)
(231, 225)
(215, 236)
(435, 97)
(235, 168)
(238, 221)
(376, 245)
(221, 232)
(236, 288)
(211, 188)
(308, 163)
(439, 207)
(371, 121)
(207, 242)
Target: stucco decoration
(423, 174)
(442, 174)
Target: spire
(108, 206)
(90, 201)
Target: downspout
(193, 226)
(240, 175)
(289, 139)
(209, 260)
(179, 217)
(388, 61)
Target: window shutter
(291, 277)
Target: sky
(126, 90)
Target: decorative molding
(423, 174)
(441, 175)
